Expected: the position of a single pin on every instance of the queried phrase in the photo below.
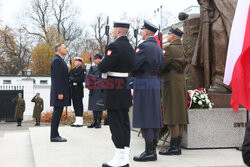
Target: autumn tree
(43, 52)
(59, 14)
(15, 47)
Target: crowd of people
(156, 76)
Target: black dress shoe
(73, 125)
(78, 125)
(92, 125)
(58, 139)
(98, 126)
(106, 165)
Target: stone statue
(206, 41)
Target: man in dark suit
(59, 93)
(117, 63)
(246, 146)
(76, 79)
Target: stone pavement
(91, 147)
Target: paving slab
(16, 151)
(91, 147)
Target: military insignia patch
(164, 51)
(109, 52)
(137, 50)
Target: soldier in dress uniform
(246, 146)
(38, 108)
(174, 94)
(147, 91)
(95, 94)
(76, 79)
(20, 108)
(117, 63)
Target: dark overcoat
(20, 107)
(59, 82)
(246, 146)
(119, 57)
(38, 108)
(95, 93)
(76, 79)
(147, 85)
(174, 94)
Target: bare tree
(99, 31)
(14, 51)
(60, 15)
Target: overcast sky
(91, 8)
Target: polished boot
(127, 155)
(173, 149)
(99, 119)
(118, 160)
(78, 122)
(148, 154)
(179, 142)
(94, 121)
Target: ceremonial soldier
(174, 94)
(59, 92)
(38, 108)
(147, 91)
(20, 108)
(76, 79)
(117, 64)
(95, 93)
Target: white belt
(74, 84)
(117, 74)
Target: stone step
(16, 151)
(91, 147)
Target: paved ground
(92, 147)
(30, 147)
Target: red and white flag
(237, 70)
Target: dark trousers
(78, 106)
(55, 121)
(150, 135)
(19, 121)
(119, 127)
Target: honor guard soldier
(117, 64)
(20, 108)
(76, 79)
(174, 94)
(147, 91)
(95, 94)
(38, 108)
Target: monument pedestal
(215, 128)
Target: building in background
(179, 24)
(10, 85)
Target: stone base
(220, 100)
(215, 128)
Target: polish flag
(237, 70)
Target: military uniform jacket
(174, 94)
(76, 79)
(59, 82)
(38, 108)
(20, 107)
(95, 94)
(119, 57)
(246, 146)
(147, 85)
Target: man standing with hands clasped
(59, 93)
